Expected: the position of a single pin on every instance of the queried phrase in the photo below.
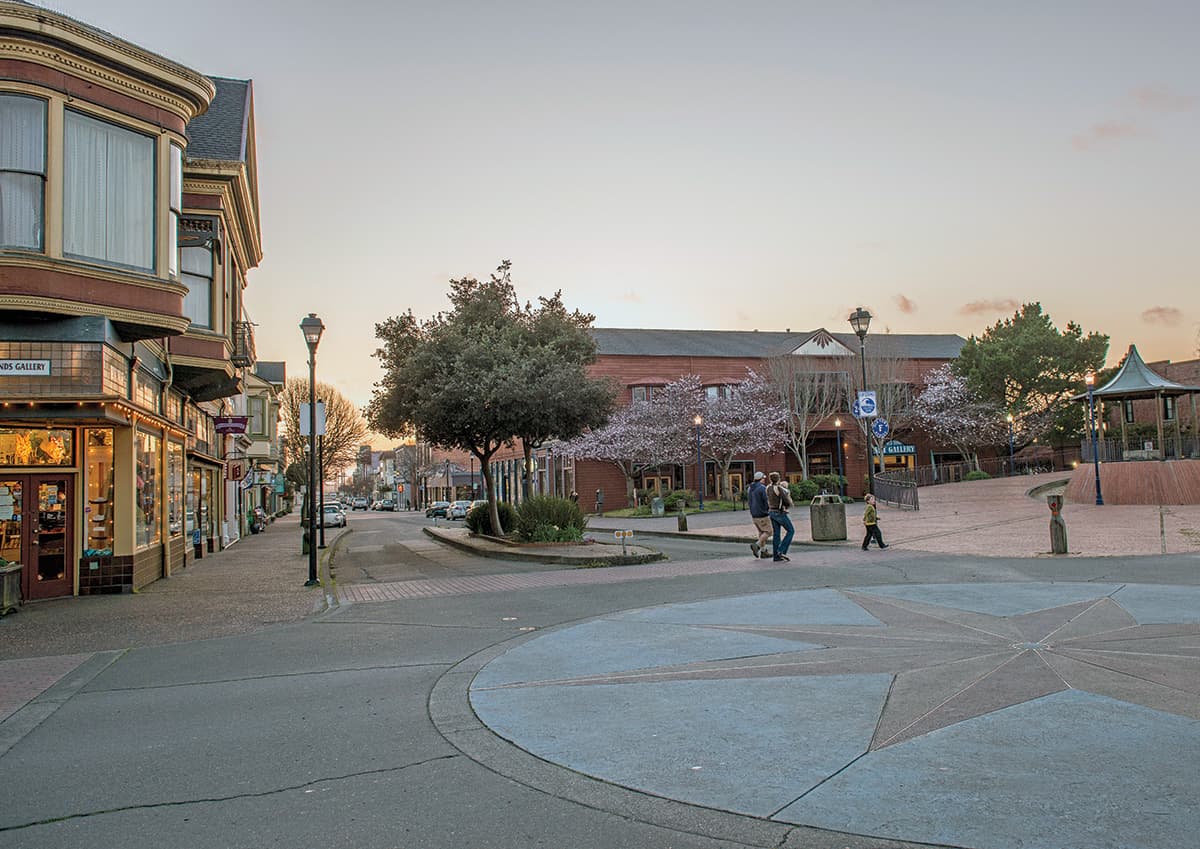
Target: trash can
(827, 517)
(656, 506)
(10, 587)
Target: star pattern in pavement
(950, 665)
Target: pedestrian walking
(759, 514)
(779, 499)
(871, 521)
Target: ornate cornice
(228, 181)
(208, 363)
(34, 303)
(91, 272)
(184, 91)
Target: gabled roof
(221, 132)
(620, 341)
(1136, 380)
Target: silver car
(458, 510)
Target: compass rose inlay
(770, 702)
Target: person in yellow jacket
(871, 520)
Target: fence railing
(893, 488)
(1113, 451)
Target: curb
(735, 539)
(558, 559)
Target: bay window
(22, 171)
(197, 266)
(176, 204)
(108, 193)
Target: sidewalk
(978, 518)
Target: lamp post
(312, 328)
(860, 320)
(1010, 444)
(699, 420)
(550, 482)
(837, 423)
(449, 488)
(321, 481)
(1090, 379)
(472, 477)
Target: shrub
(804, 491)
(479, 522)
(677, 499)
(829, 483)
(976, 475)
(546, 519)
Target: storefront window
(148, 489)
(23, 446)
(98, 444)
(174, 489)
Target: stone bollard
(682, 519)
(1058, 527)
(827, 518)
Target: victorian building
(128, 223)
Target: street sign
(622, 534)
(866, 406)
(880, 428)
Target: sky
(714, 165)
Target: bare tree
(813, 389)
(415, 462)
(345, 427)
(894, 397)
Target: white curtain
(22, 170)
(108, 196)
(197, 276)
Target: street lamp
(312, 328)
(1010, 444)
(837, 423)
(699, 420)
(550, 481)
(860, 320)
(1090, 379)
(449, 488)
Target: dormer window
(22, 171)
(714, 393)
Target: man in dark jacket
(759, 514)
(779, 499)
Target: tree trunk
(804, 460)
(526, 470)
(485, 469)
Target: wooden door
(49, 536)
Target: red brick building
(639, 360)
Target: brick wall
(105, 575)
(147, 566)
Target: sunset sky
(712, 164)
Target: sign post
(623, 536)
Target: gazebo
(1141, 483)
(1135, 381)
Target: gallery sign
(39, 368)
(230, 424)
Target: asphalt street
(354, 727)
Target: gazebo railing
(1142, 448)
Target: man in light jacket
(779, 499)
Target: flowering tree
(645, 434)
(948, 410)
(751, 418)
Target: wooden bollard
(1058, 527)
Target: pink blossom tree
(949, 411)
(749, 419)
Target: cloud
(1162, 99)
(1105, 131)
(994, 305)
(1169, 316)
(905, 305)
(631, 297)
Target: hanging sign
(866, 405)
(304, 419)
(230, 424)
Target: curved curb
(533, 554)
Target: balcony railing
(243, 344)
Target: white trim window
(257, 416)
(197, 267)
(176, 203)
(108, 193)
(22, 171)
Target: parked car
(476, 503)
(361, 503)
(333, 517)
(437, 508)
(458, 510)
(387, 504)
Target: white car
(333, 517)
(458, 510)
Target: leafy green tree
(560, 399)
(1027, 366)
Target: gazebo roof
(1136, 380)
